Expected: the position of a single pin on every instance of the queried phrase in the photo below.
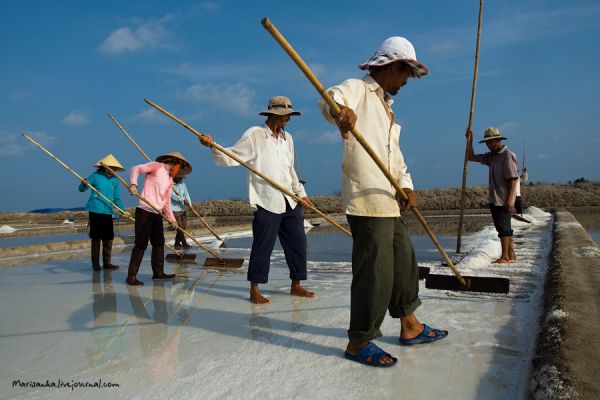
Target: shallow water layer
(198, 336)
(338, 246)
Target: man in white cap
(270, 150)
(384, 268)
(502, 187)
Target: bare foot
(354, 348)
(299, 290)
(501, 261)
(256, 297)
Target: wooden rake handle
(357, 135)
(174, 190)
(116, 207)
(249, 167)
(469, 126)
(161, 214)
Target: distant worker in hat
(502, 186)
(270, 149)
(385, 274)
(180, 199)
(148, 224)
(101, 212)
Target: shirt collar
(374, 87)
(270, 132)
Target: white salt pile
(7, 229)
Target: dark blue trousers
(266, 227)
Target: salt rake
(216, 261)
(423, 271)
(196, 213)
(176, 257)
(466, 283)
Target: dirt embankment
(540, 195)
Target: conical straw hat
(111, 161)
(186, 167)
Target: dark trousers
(289, 227)
(385, 274)
(101, 226)
(148, 226)
(181, 218)
(501, 219)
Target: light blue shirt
(107, 186)
(177, 202)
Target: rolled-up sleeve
(510, 167)
(244, 149)
(347, 93)
(404, 177)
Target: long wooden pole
(248, 166)
(116, 207)
(162, 215)
(112, 204)
(470, 126)
(358, 136)
(174, 190)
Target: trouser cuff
(405, 310)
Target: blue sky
(66, 64)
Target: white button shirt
(365, 189)
(273, 157)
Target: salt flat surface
(199, 337)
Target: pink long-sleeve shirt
(157, 187)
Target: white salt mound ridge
(7, 229)
(536, 213)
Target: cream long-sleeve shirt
(365, 189)
(273, 157)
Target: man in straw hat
(384, 268)
(502, 186)
(149, 224)
(101, 212)
(179, 202)
(270, 149)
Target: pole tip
(266, 22)
(147, 101)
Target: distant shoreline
(540, 195)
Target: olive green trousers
(385, 274)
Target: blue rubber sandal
(371, 350)
(424, 337)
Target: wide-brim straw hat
(175, 157)
(279, 105)
(490, 134)
(111, 161)
(396, 48)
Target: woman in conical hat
(101, 212)
(148, 224)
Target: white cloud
(146, 36)
(508, 126)
(150, 115)
(207, 6)
(444, 47)
(76, 118)
(13, 145)
(328, 137)
(220, 71)
(524, 26)
(237, 98)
